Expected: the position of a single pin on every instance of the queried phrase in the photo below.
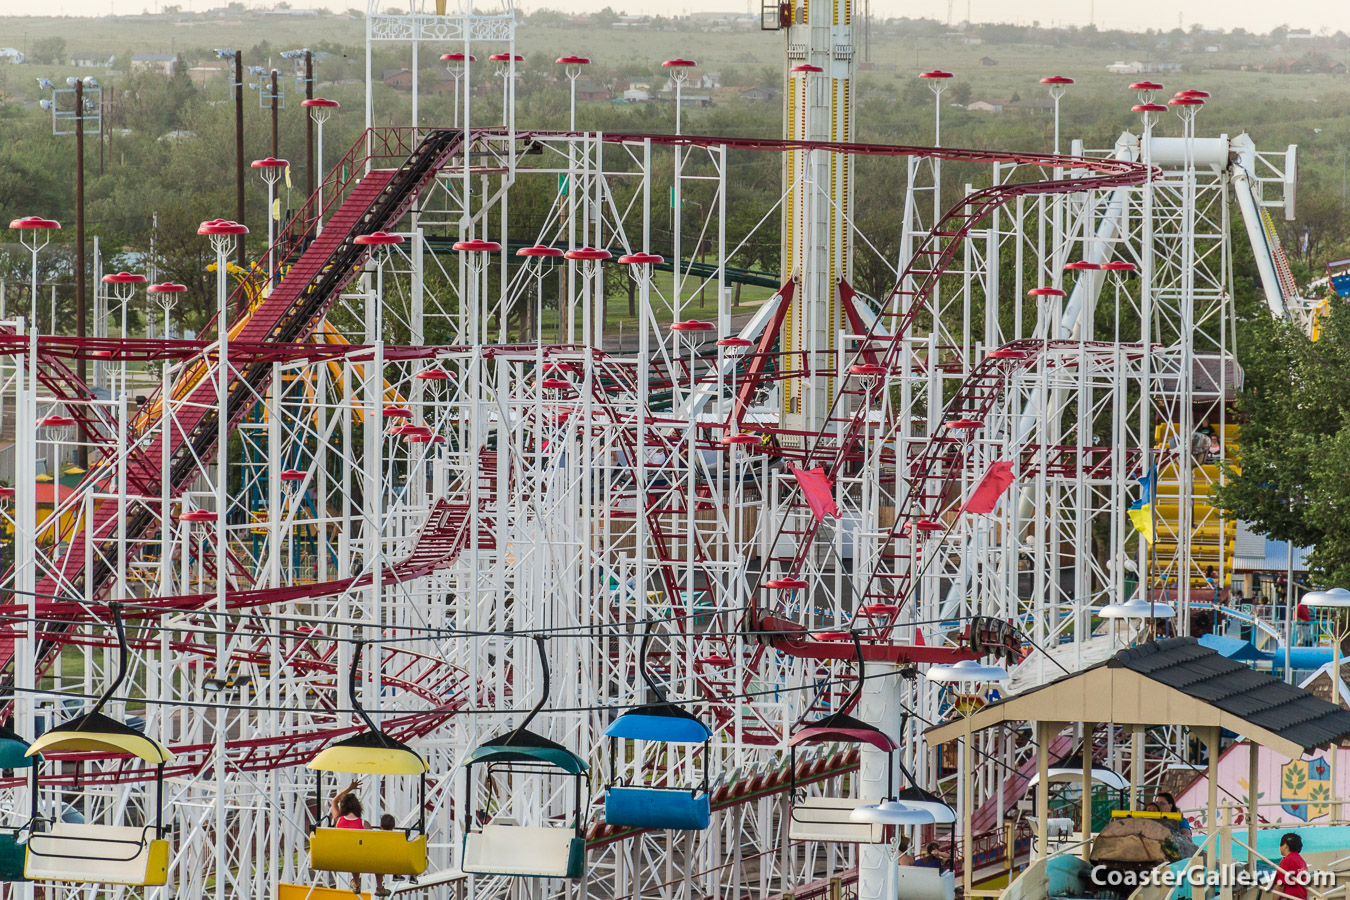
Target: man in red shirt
(1291, 877)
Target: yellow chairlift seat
(315, 892)
(367, 850)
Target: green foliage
(1295, 446)
(51, 50)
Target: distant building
(1124, 68)
(398, 79)
(759, 94)
(154, 63)
(11, 55)
(204, 73)
(637, 95)
(985, 106)
(590, 90)
(92, 61)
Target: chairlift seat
(923, 883)
(369, 850)
(97, 854)
(531, 851)
(650, 807)
(315, 892)
(827, 819)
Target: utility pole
(81, 370)
(274, 118)
(309, 126)
(239, 146)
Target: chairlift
(825, 818)
(532, 851)
(369, 850)
(81, 853)
(13, 755)
(643, 805)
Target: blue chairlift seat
(678, 809)
(645, 806)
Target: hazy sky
(1255, 15)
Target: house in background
(91, 61)
(153, 63)
(398, 79)
(759, 94)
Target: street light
(540, 253)
(34, 233)
(937, 83)
(573, 66)
(679, 74)
(454, 64)
(321, 110)
(506, 67)
(237, 57)
(271, 169)
(1057, 84)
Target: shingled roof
(1172, 682)
(1291, 712)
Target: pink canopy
(985, 496)
(818, 490)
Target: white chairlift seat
(99, 854)
(924, 883)
(827, 819)
(526, 850)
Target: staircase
(1212, 537)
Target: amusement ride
(660, 619)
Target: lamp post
(34, 233)
(535, 256)
(237, 58)
(937, 83)
(271, 170)
(506, 71)
(454, 64)
(679, 73)
(590, 259)
(321, 110)
(1057, 84)
(572, 67)
(166, 294)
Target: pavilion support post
(1086, 797)
(1212, 802)
(1044, 731)
(1136, 765)
(967, 805)
(1253, 790)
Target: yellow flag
(287, 170)
(1143, 522)
(276, 209)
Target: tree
(50, 50)
(1295, 445)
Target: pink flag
(985, 496)
(818, 490)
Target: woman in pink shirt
(346, 810)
